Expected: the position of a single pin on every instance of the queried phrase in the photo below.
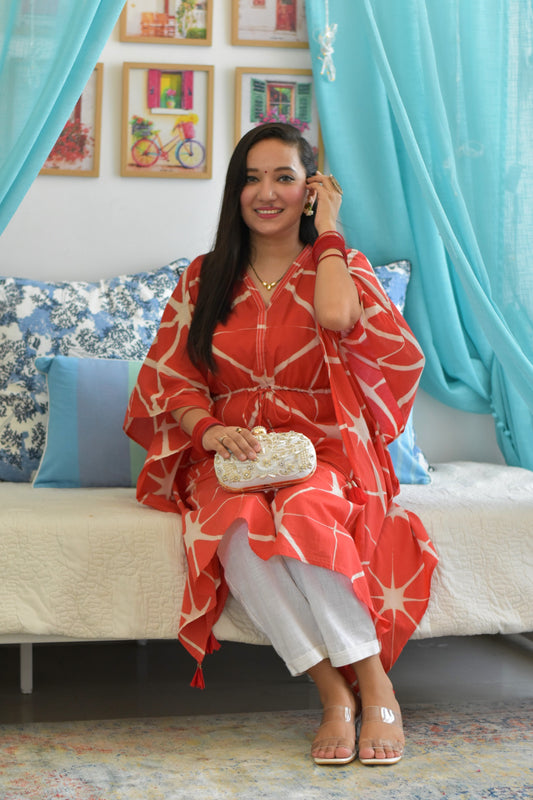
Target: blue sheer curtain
(428, 124)
(48, 49)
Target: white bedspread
(94, 564)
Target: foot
(381, 740)
(335, 739)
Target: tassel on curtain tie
(326, 40)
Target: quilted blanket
(94, 564)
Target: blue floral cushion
(410, 464)
(113, 318)
(394, 278)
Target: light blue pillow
(85, 443)
(111, 318)
(409, 462)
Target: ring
(221, 440)
(335, 183)
(238, 430)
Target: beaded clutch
(284, 459)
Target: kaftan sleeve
(167, 380)
(381, 355)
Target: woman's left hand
(329, 199)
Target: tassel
(212, 644)
(198, 680)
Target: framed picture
(277, 95)
(167, 21)
(167, 121)
(269, 23)
(77, 149)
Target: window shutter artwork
(187, 89)
(258, 99)
(303, 101)
(153, 99)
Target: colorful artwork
(77, 149)
(275, 23)
(167, 125)
(167, 21)
(270, 95)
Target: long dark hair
(226, 264)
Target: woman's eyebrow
(276, 169)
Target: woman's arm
(336, 299)
(208, 433)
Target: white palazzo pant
(308, 613)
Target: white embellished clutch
(284, 459)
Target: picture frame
(167, 22)
(76, 152)
(167, 120)
(269, 23)
(278, 95)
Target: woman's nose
(266, 189)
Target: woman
(279, 326)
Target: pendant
(270, 286)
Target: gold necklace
(268, 285)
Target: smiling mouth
(268, 212)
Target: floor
(128, 679)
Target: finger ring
(221, 440)
(335, 183)
(238, 430)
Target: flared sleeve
(167, 380)
(374, 370)
(380, 354)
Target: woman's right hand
(227, 440)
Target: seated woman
(281, 326)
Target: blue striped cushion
(85, 443)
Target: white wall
(90, 228)
(96, 227)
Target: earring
(308, 209)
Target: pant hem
(355, 654)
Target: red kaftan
(351, 394)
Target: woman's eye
(286, 178)
(251, 179)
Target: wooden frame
(139, 22)
(167, 121)
(286, 95)
(77, 150)
(269, 23)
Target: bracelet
(337, 253)
(329, 240)
(200, 428)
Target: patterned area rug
(460, 753)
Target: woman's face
(273, 198)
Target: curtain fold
(427, 126)
(48, 49)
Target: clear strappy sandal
(332, 715)
(389, 717)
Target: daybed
(84, 561)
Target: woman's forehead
(273, 154)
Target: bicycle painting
(167, 130)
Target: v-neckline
(267, 300)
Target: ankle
(332, 688)
(375, 686)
